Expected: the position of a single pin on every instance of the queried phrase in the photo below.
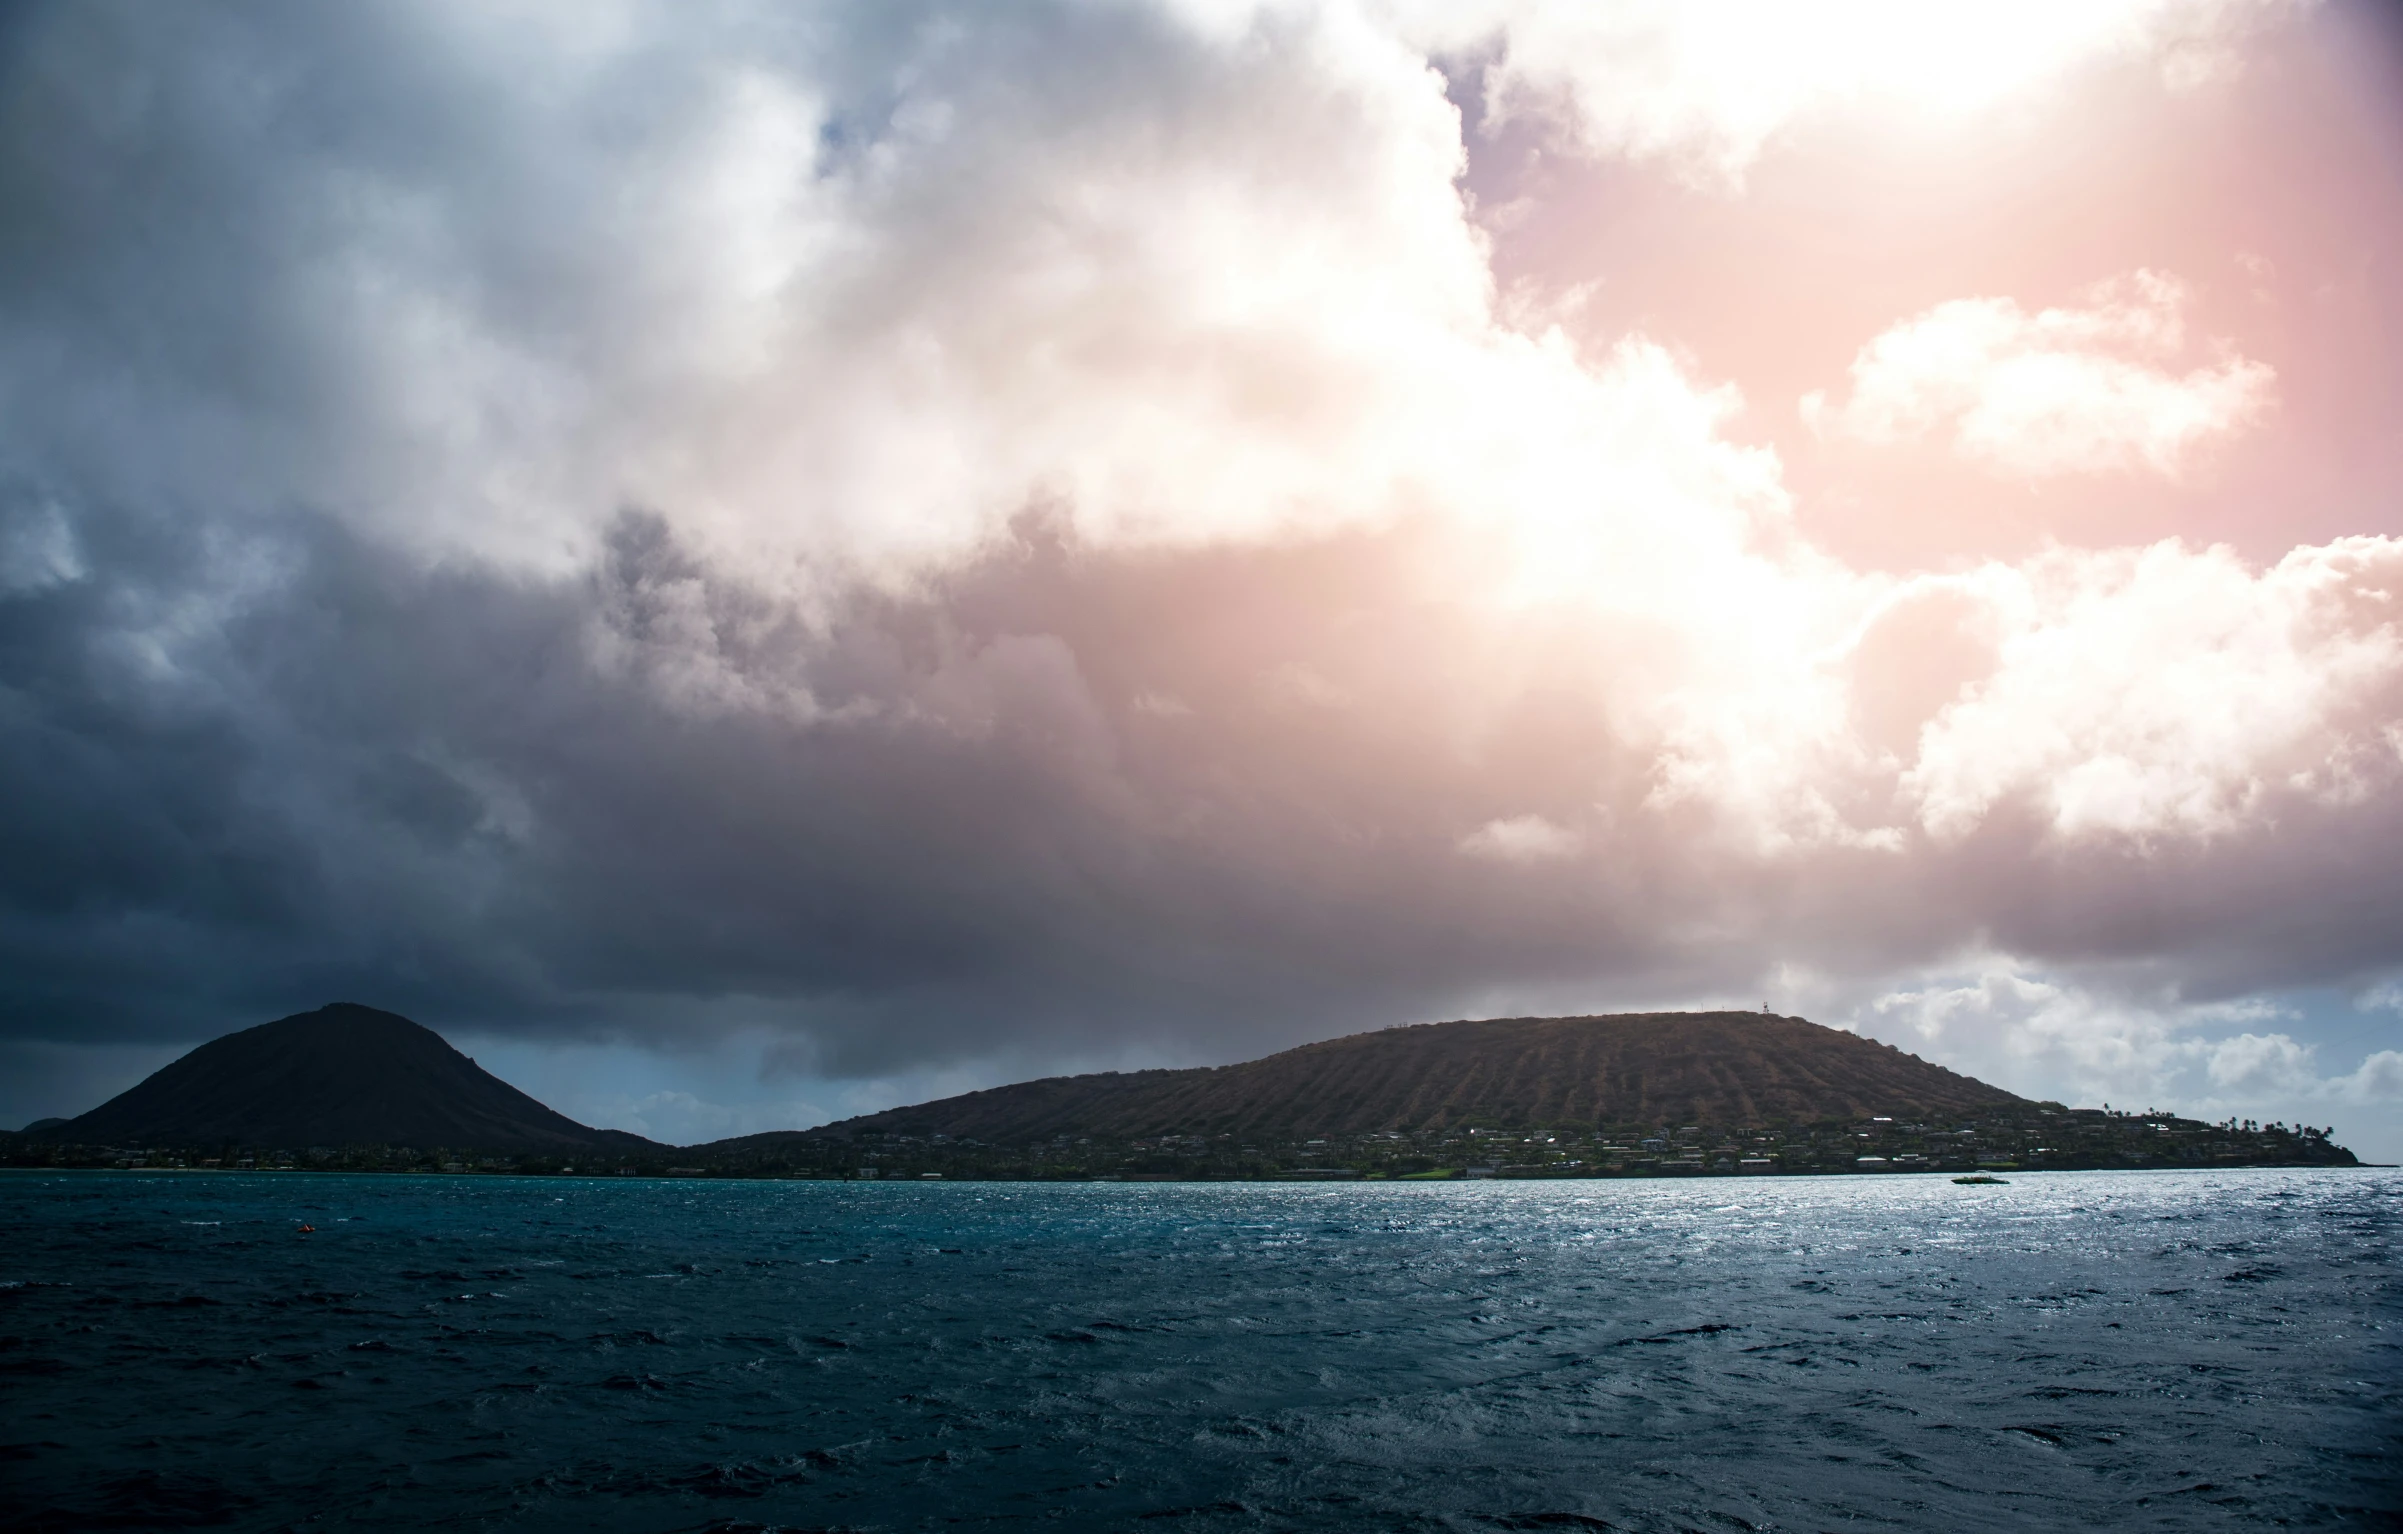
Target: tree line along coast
(2058, 1139)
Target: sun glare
(1959, 55)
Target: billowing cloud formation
(2167, 691)
(986, 536)
(2061, 391)
(848, 290)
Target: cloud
(2378, 1080)
(2387, 996)
(2010, 1018)
(2131, 1046)
(1709, 84)
(2275, 1069)
(957, 539)
(2169, 691)
(1522, 839)
(2261, 1065)
(852, 293)
(37, 547)
(2060, 391)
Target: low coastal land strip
(2042, 1138)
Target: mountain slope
(1728, 1068)
(341, 1075)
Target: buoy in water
(307, 1229)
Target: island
(1665, 1094)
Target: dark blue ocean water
(2178, 1351)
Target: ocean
(2170, 1350)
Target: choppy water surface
(2174, 1350)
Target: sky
(753, 562)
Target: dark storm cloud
(372, 778)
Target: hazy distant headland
(1655, 1094)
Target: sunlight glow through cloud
(1710, 83)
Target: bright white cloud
(1709, 82)
(2169, 690)
(2378, 1080)
(2261, 1065)
(2059, 391)
(2113, 695)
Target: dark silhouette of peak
(341, 1075)
(1726, 1068)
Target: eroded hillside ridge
(1644, 1068)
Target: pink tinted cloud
(2061, 391)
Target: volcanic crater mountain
(1728, 1068)
(341, 1075)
